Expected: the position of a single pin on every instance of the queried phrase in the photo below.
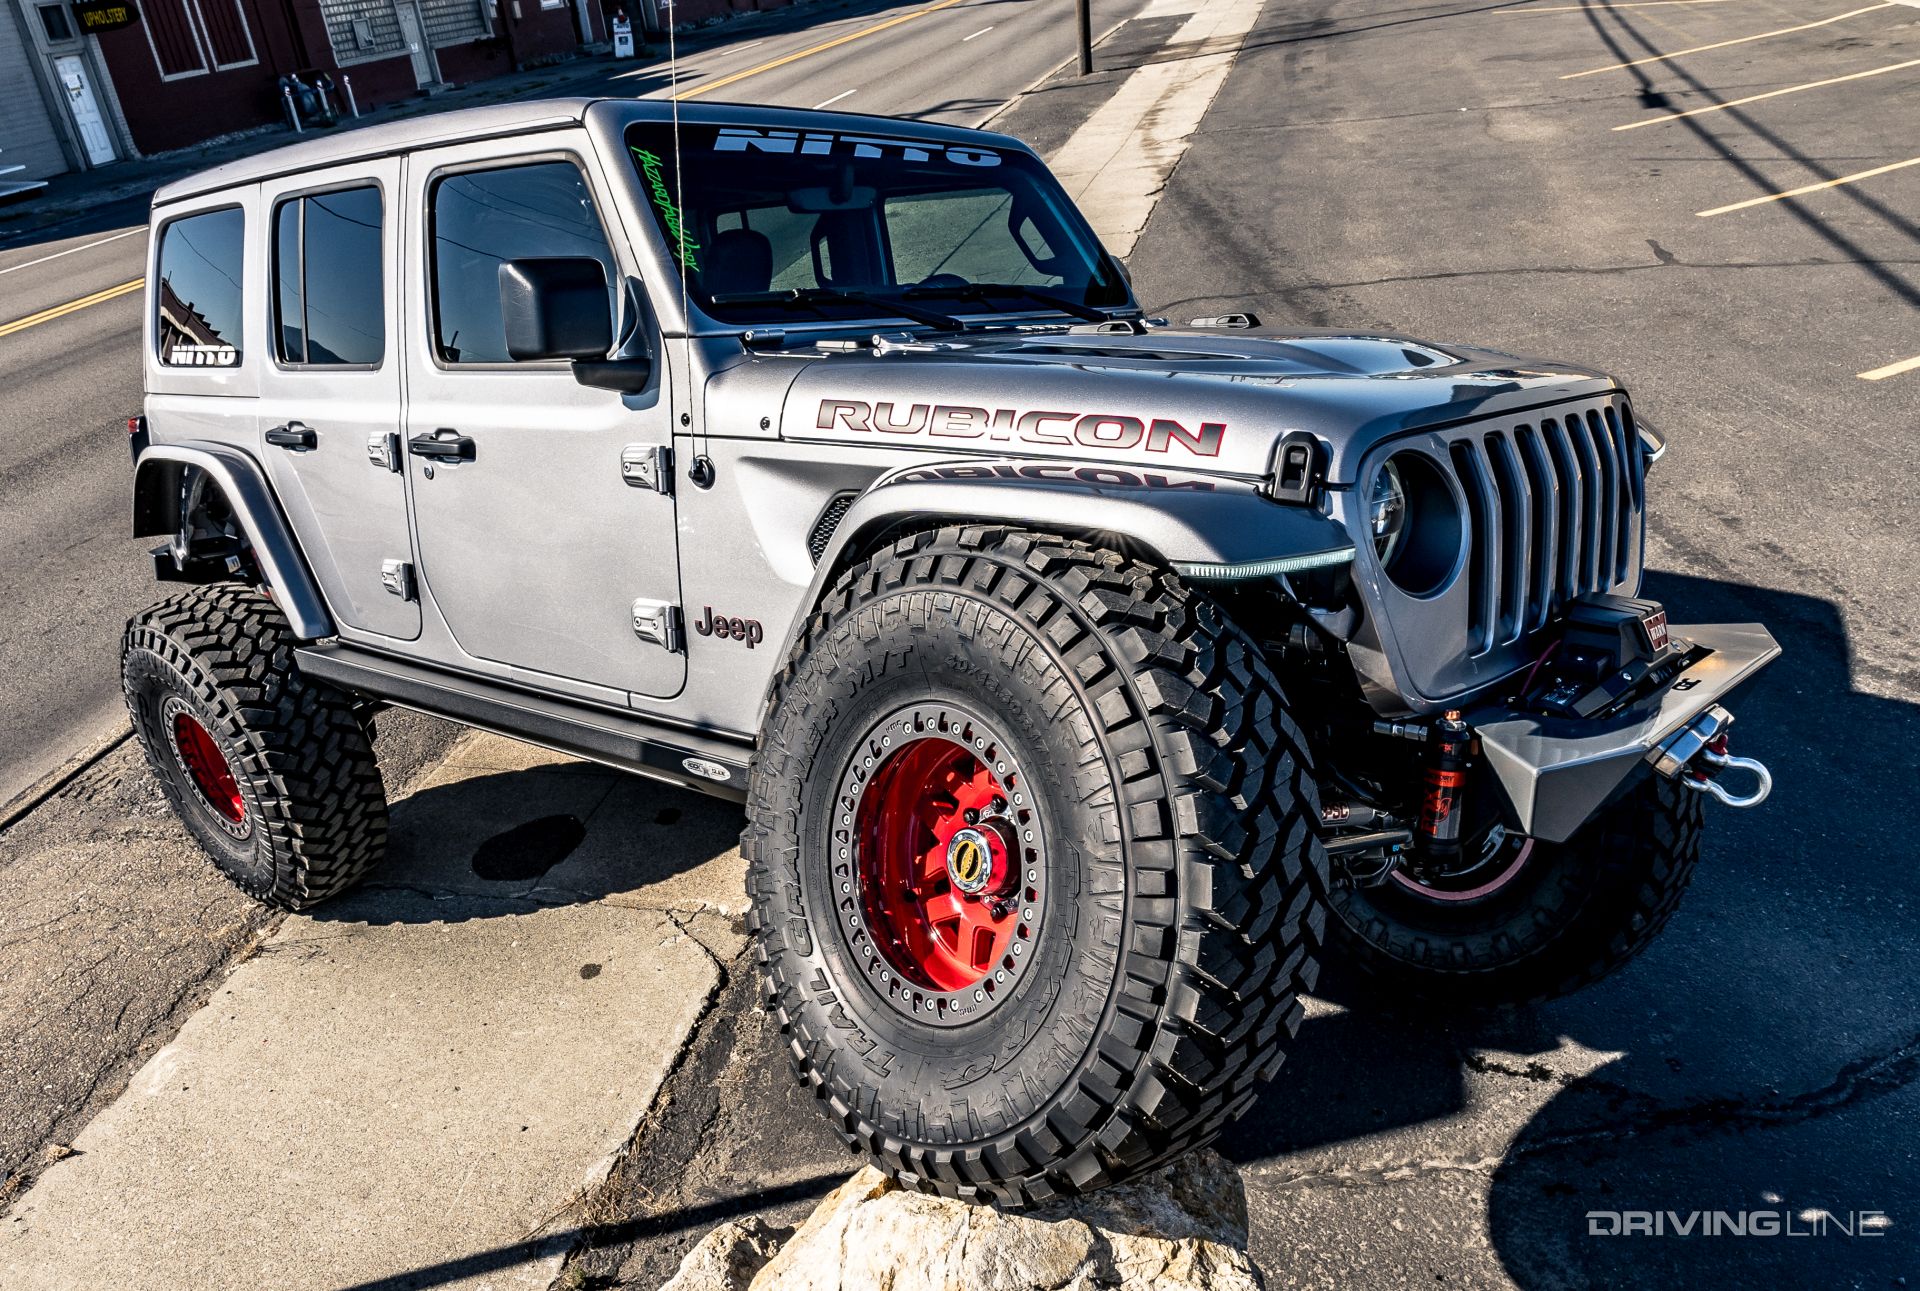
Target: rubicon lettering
(1010, 425)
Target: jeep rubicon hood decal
(1208, 401)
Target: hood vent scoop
(1228, 322)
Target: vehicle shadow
(479, 842)
(1761, 1056)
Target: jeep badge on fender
(719, 625)
(1121, 670)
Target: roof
(434, 129)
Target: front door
(330, 388)
(534, 543)
(414, 32)
(84, 109)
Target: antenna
(701, 471)
(679, 183)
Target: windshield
(786, 225)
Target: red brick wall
(291, 36)
(173, 113)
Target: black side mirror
(555, 308)
(629, 370)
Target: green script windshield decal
(663, 201)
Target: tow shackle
(1696, 755)
(1721, 762)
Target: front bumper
(1556, 772)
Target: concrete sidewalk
(411, 1086)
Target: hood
(1192, 400)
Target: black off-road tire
(311, 809)
(1185, 879)
(1572, 914)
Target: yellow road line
(1585, 8)
(1811, 188)
(1701, 49)
(48, 315)
(1770, 94)
(1892, 369)
(814, 49)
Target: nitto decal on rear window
(651, 167)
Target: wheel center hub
(970, 864)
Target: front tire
(272, 772)
(1105, 972)
(1561, 918)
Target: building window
(194, 37)
(53, 18)
(198, 303)
(329, 305)
(455, 22)
(362, 29)
(484, 217)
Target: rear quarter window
(198, 302)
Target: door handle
(293, 435)
(442, 446)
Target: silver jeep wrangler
(1088, 680)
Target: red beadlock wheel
(937, 864)
(942, 886)
(207, 767)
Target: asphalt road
(72, 576)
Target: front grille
(1553, 507)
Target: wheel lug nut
(971, 816)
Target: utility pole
(1085, 11)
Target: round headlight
(1387, 512)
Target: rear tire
(1571, 914)
(1162, 849)
(272, 772)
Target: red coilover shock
(1451, 748)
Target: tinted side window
(329, 307)
(198, 300)
(484, 217)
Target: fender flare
(156, 504)
(1208, 529)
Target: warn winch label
(1010, 425)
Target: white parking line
(1701, 49)
(70, 250)
(1892, 369)
(835, 99)
(1770, 94)
(1804, 189)
(984, 30)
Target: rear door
(330, 390)
(538, 547)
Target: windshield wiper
(984, 292)
(810, 296)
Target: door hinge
(397, 577)
(658, 622)
(647, 466)
(383, 449)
